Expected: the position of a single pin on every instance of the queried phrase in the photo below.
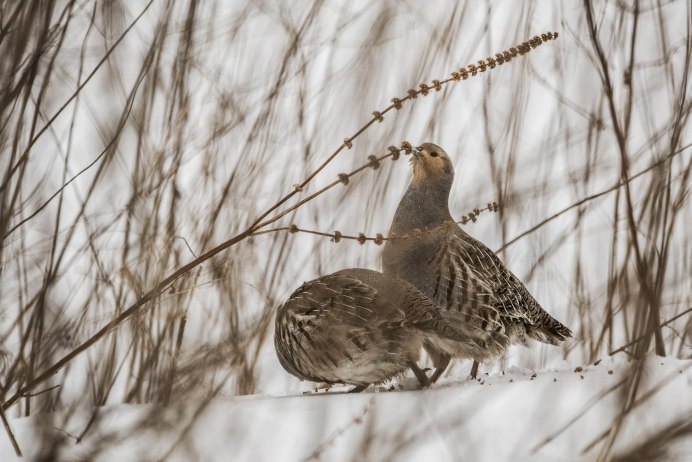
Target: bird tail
(548, 330)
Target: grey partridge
(357, 327)
(458, 272)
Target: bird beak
(416, 157)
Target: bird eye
(433, 154)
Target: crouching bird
(459, 273)
(358, 327)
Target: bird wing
(346, 307)
(472, 280)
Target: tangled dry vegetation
(169, 171)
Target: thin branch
(648, 333)
(619, 185)
(379, 239)
(10, 433)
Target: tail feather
(549, 330)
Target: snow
(519, 414)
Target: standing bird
(459, 273)
(357, 327)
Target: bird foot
(420, 374)
(474, 370)
(440, 367)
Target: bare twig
(379, 239)
(647, 334)
(10, 433)
(581, 202)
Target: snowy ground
(516, 415)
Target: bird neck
(423, 205)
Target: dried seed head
(361, 238)
(412, 93)
(293, 229)
(456, 75)
(397, 103)
(337, 237)
(406, 146)
(343, 178)
(379, 239)
(374, 162)
(424, 89)
(464, 73)
(378, 116)
(499, 58)
(437, 84)
(395, 152)
(297, 187)
(491, 62)
(348, 143)
(481, 66)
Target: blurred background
(135, 136)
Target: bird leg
(357, 389)
(420, 375)
(474, 369)
(440, 367)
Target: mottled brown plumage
(459, 273)
(357, 327)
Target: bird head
(430, 162)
